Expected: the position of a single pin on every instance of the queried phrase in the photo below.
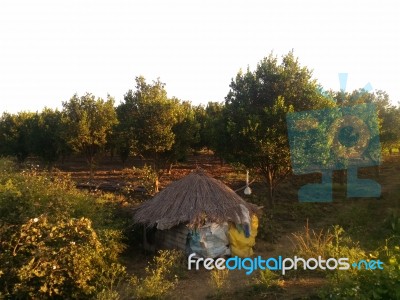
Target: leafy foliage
(390, 131)
(48, 137)
(369, 284)
(15, 135)
(159, 279)
(149, 114)
(50, 259)
(256, 107)
(260, 141)
(186, 132)
(144, 176)
(27, 194)
(355, 283)
(89, 122)
(269, 279)
(55, 241)
(156, 127)
(215, 131)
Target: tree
(270, 80)
(262, 144)
(123, 134)
(15, 135)
(256, 107)
(48, 137)
(186, 133)
(147, 118)
(200, 119)
(215, 130)
(390, 131)
(89, 121)
(388, 115)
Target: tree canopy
(256, 107)
(156, 127)
(89, 122)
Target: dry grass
(219, 278)
(310, 243)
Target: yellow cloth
(241, 245)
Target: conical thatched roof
(192, 199)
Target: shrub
(368, 284)
(354, 283)
(27, 194)
(269, 279)
(144, 177)
(114, 281)
(219, 279)
(159, 279)
(392, 221)
(55, 241)
(46, 260)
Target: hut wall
(174, 238)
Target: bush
(27, 194)
(159, 279)
(46, 260)
(269, 279)
(55, 241)
(219, 279)
(368, 284)
(392, 221)
(354, 283)
(144, 177)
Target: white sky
(50, 50)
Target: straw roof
(193, 199)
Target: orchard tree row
(147, 124)
(249, 127)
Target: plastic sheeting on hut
(210, 240)
(243, 238)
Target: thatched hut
(197, 214)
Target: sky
(50, 50)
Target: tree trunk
(91, 176)
(378, 171)
(63, 156)
(112, 153)
(50, 168)
(270, 195)
(156, 185)
(156, 171)
(342, 177)
(169, 168)
(91, 168)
